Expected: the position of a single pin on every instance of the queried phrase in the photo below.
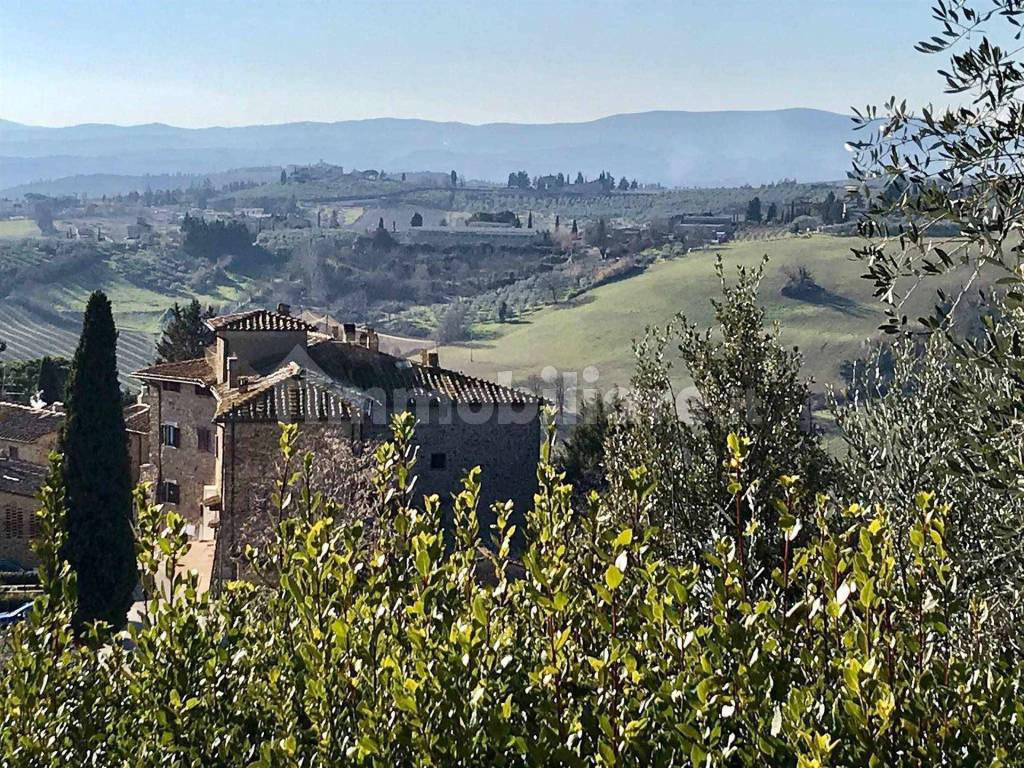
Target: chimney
(232, 363)
(284, 309)
(432, 359)
(373, 340)
(424, 357)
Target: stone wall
(250, 347)
(18, 547)
(504, 441)
(37, 452)
(249, 467)
(186, 465)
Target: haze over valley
(694, 149)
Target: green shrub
(402, 652)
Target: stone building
(19, 525)
(214, 428)
(27, 435)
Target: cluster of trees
(185, 335)
(733, 613)
(215, 239)
(829, 211)
(522, 180)
(20, 381)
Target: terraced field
(42, 316)
(31, 334)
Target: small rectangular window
(12, 452)
(438, 460)
(170, 435)
(169, 492)
(13, 523)
(170, 386)
(35, 525)
(203, 440)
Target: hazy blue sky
(234, 62)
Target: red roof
(22, 478)
(195, 371)
(25, 424)
(368, 369)
(258, 320)
(282, 394)
(136, 418)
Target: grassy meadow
(12, 228)
(599, 330)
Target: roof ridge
(282, 321)
(47, 411)
(474, 379)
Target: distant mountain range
(672, 148)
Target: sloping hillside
(599, 331)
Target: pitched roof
(195, 371)
(287, 393)
(136, 418)
(397, 378)
(24, 424)
(22, 478)
(258, 320)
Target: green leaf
(288, 745)
(624, 539)
(423, 562)
(697, 754)
(479, 609)
(613, 577)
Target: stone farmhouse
(27, 435)
(214, 427)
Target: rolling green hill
(600, 329)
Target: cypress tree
(51, 381)
(100, 547)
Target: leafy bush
(603, 652)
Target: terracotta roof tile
(22, 478)
(396, 377)
(258, 320)
(136, 418)
(195, 371)
(282, 395)
(24, 424)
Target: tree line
(522, 180)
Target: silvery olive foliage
(922, 425)
(956, 171)
(596, 651)
(946, 191)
